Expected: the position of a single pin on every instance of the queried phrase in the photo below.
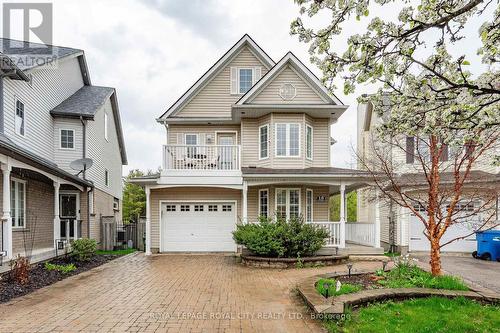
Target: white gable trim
(216, 68)
(300, 69)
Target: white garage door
(418, 241)
(198, 227)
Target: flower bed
(46, 273)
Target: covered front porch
(306, 196)
(42, 211)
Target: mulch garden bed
(40, 277)
(366, 281)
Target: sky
(152, 51)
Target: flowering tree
(424, 92)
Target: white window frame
(16, 100)
(60, 138)
(238, 70)
(309, 150)
(106, 177)
(288, 190)
(267, 204)
(309, 209)
(106, 121)
(16, 200)
(287, 139)
(260, 142)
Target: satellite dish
(81, 164)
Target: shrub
(345, 288)
(20, 269)
(290, 239)
(83, 249)
(65, 269)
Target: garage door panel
(418, 241)
(198, 227)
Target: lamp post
(349, 267)
(326, 285)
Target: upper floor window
(67, 139)
(106, 177)
(245, 77)
(309, 142)
(18, 203)
(287, 140)
(264, 141)
(106, 126)
(20, 118)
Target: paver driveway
(168, 293)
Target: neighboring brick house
(49, 117)
(250, 138)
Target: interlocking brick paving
(169, 293)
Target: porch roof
(11, 149)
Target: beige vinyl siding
(320, 209)
(215, 99)
(49, 88)
(250, 137)
(270, 94)
(188, 194)
(174, 131)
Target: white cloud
(152, 51)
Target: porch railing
(360, 233)
(209, 157)
(334, 229)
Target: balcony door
(227, 150)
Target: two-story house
(50, 116)
(250, 138)
(400, 229)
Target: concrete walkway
(169, 293)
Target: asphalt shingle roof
(85, 102)
(25, 54)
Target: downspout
(84, 154)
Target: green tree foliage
(134, 197)
(351, 207)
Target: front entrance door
(68, 210)
(227, 154)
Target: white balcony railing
(193, 157)
(334, 228)
(360, 233)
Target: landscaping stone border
(254, 261)
(321, 305)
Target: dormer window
(245, 79)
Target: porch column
(57, 220)
(377, 218)
(342, 216)
(6, 218)
(244, 206)
(148, 221)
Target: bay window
(287, 140)
(264, 142)
(309, 142)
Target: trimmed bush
(83, 249)
(288, 239)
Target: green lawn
(424, 315)
(345, 288)
(116, 252)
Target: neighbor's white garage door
(198, 227)
(418, 241)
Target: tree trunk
(435, 257)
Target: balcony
(202, 161)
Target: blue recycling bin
(488, 245)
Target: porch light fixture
(384, 265)
(349, 267)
